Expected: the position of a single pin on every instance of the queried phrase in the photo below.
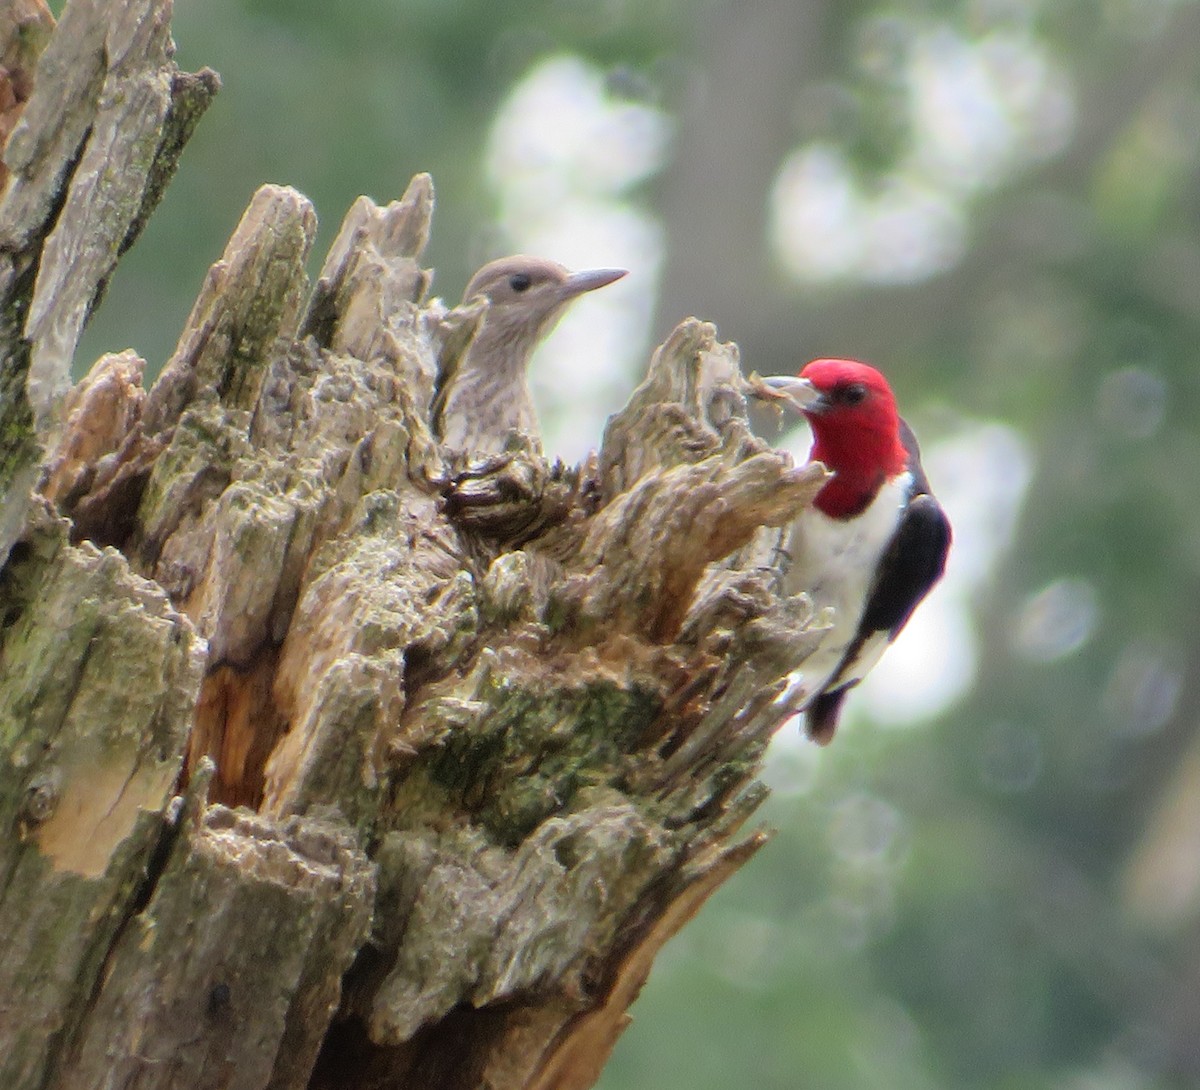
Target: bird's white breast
(834, 561)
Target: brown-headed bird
(485, 396)
(874, 542)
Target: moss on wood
(494, 723)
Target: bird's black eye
(854, 393)
(520, 282)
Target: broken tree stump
(326, 758)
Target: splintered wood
(492, 725)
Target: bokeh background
(992, 879)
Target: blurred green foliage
(1005, 897)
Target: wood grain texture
(330, 757)
(104, 116)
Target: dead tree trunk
(327, 760)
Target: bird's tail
(821, 716)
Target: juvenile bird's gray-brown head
(483, 396)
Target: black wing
(914, 562)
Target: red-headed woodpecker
(486, 396)
(873, 543)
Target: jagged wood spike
(496, 723)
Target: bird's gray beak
(590, 280)
(799, 392)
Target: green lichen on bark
(191, 95)
(100, 676)
(87, 160)
(20, 450)
(196, 467)
(533, 749)
(283, 908)
(529, 699)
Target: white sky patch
(981, 109)
(915, 232)
(964, 135)
(825, 226)
(562, 156)
(1037, 96)
(978, 110)
(559, 130)
(816, 216)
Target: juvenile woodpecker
(486, 395)
(875, 540)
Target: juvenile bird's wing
(913, 563)
(456, 333)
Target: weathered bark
(101, 124)
(331, 759)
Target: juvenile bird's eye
(519, 282)
(854, 393)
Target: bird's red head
(856, 432)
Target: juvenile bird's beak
(802, 394)
(589, 280)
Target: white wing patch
(864, 662)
